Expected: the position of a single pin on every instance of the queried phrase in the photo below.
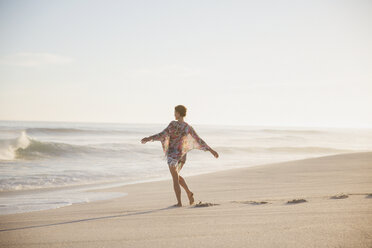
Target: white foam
(8, 148)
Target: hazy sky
(279, 63)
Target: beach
(240, 207)
(262, 106)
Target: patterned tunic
(177, 139)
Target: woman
(177, 139)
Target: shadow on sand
(87, 219)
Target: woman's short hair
(181, 110)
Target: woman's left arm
(203, 145)
(201, 142)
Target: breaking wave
(25, 148)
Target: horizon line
(204, 124)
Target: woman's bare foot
(177, 205)
(191, 198)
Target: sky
(269, 63)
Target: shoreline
(106, 184)
(243, 206)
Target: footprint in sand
(339, 196)
(205, 204)
(252, 202)
(295, 201)
(257, 202)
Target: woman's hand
(144, 140)
(215, 154)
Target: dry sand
(251, 210)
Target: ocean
(46, 165)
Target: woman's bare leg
(189, 193)
(176, 184)
(184, 185)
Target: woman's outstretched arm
(203, 145)
(158, 136)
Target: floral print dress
(177, 139)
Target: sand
(318, 202)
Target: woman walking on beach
(177, 139)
